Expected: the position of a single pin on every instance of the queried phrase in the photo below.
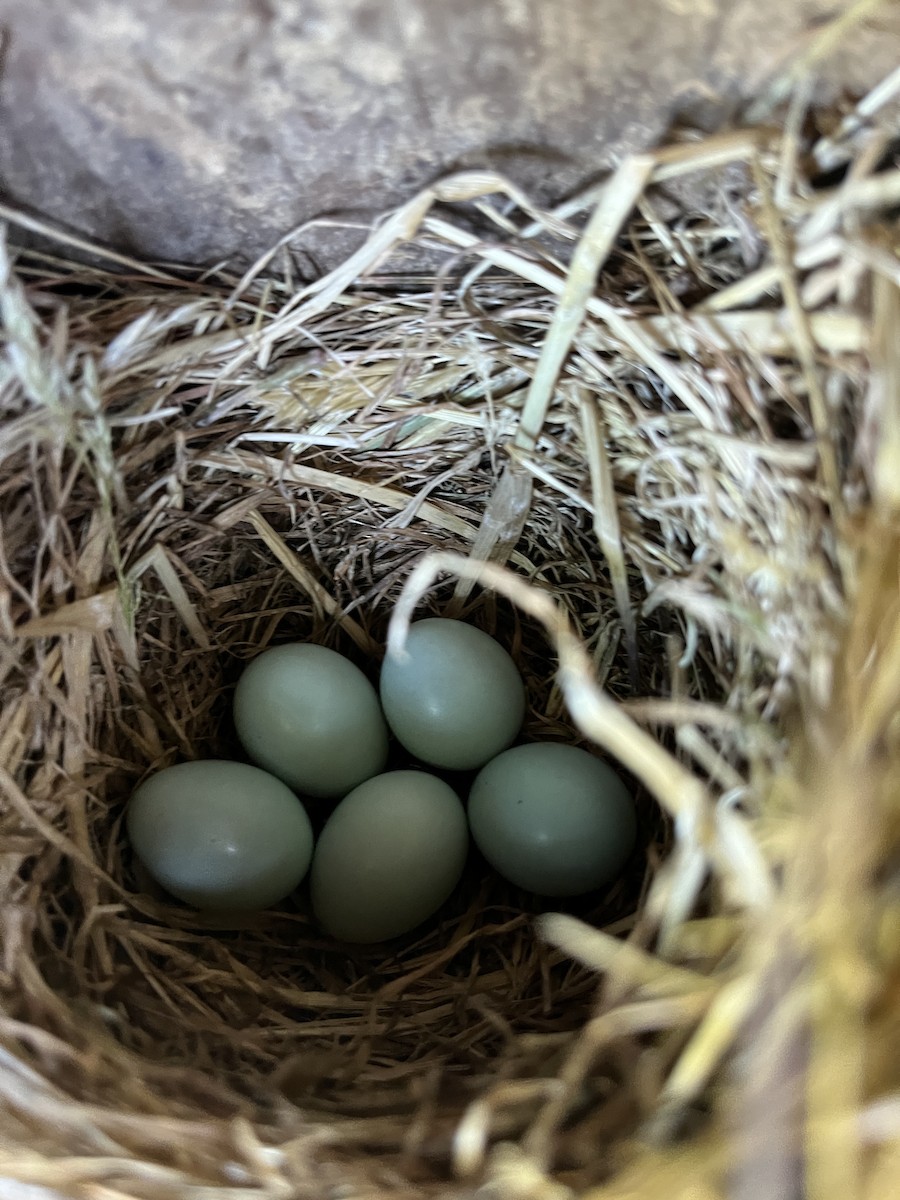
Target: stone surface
(191, 130)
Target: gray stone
(192, 130)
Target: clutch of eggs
(229, 836)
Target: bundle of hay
(653, 439)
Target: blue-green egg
(389, 856)
(221, 836)
(552, 819)
(311, 717)
(453, 697)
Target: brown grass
(654, 440)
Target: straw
(655, 431)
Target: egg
(453, 697)
(389, 856)
(220, 835)
(552, 819)
(310, 716)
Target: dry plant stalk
(696, 565)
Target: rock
(190, 131)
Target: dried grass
(674, 496)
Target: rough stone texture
(195, 129)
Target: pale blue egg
(454, 699)
(389, 856)
(308, 715)
(220, 835)
(552, 819)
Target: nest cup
(650, 437)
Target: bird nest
(651, 440)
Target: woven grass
(651, 440)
